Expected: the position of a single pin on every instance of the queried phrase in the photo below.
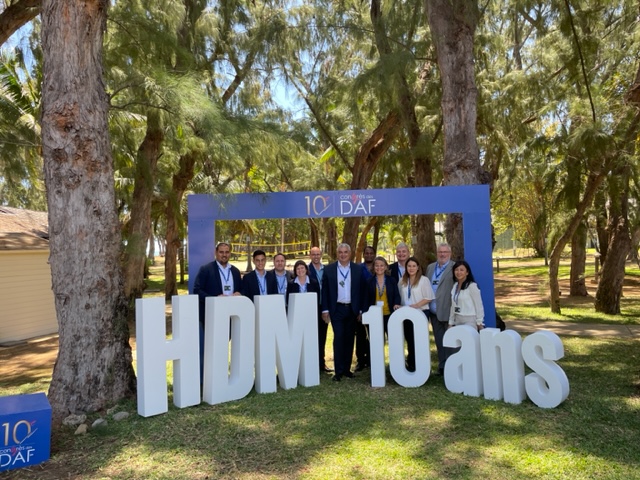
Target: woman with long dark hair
(466, 302)
(416, 292)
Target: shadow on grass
(350, 430)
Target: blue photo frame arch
(472, 201)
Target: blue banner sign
(25, 430)
(472, 201)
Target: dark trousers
(362, 345)
(343, 323)
(439, 329)
(322, 338)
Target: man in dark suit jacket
(258, 282)
(441, 278)
(316, 271)
(279, 275)
(342, 297)
(402, 255)
(362, 331)
(217, 278)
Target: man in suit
(257, 282)
(217, 278)
(402, 255)
(342, 298)
(439, 273)
(279, 275)
(362, 331)
(316, 271)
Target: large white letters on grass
(154, 350)
(395, 330)
(241, 339)
(502, 365)
(493, 362)
(224, 381)
(286, 342)
(548, 385)
(462, 372)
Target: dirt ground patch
(33, 360)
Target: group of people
(446, 293)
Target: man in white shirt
(342, 297)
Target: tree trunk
(365, 165)
(182, 261)
(578, 286)
(175, 222)
(139, 226)
(362, 241)
(376, 234)
(332, 238)
(418, 142)
(16, 15)
(600, 203)
(593, 182)
(314, 233)
(453, 24)
(151, 254)
(93, 369)
(612, 274)
(635, 241)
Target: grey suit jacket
(443, 292)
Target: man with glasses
(441, 278)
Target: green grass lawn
(349, 430)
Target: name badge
(456, 309)
(227, 288)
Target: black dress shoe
(349, 375)
(361, 366)
(336, 378)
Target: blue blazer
(391, 288)
(251, 287)
(330, 288)
(313, 273)
(208, 284)
(272, 277)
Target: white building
(27, 307)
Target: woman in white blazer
(466, 302)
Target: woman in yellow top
(382, 290)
